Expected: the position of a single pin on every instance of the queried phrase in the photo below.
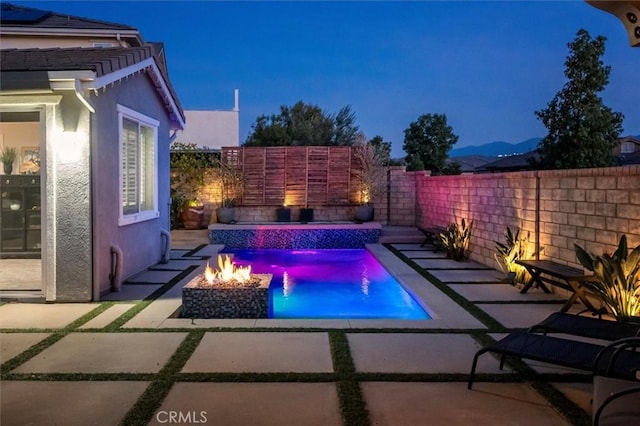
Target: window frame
(153, 124)
(630, 148)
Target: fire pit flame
(227, 272)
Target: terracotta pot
(192, 216)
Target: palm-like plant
(617, 279)
(515, 248)
(456, 240)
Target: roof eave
(72, 32)
(149, 65)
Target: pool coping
(445, 313)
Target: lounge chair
(577, 325)
(616, 401)
(566, 352)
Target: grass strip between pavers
(56, 335)
(493, 325)
(135, 310)
(192, 252)
(572, 412)
(352, 404)
(143, 410)
(567, 408)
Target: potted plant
(617, 279)
(369, 178)
(455, 240)
(7, 157)
(231, 181)
(189, 166)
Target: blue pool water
(347, 283)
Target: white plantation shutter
(138, 179)
(147, 171)
(129, 166)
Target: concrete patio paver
(408, 247)
(579, 393)
(522, 315)
(249, 352)
(417, 353)
(12, 344)
(500, 292)
(471, 276)
(300, 351)
(177, 264)
(153, 277)
(449, 264)
(265, 404)
(105, 353)
(40, 315)
(401, 404)
(108, 316)
(424, 254)
(67, 403)
(132, 292)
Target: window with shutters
(627, 147)
(138, 167)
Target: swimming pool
(343, 283)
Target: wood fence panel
(339, 179)
(274, 175)
(318, 158)
(253, 160)
(296, 176)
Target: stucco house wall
(141, 243)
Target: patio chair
(578, 325)
(564, 352)
(616, 401)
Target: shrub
(515, 248)
(617, 279)
(455, 240)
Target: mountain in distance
(496, 149)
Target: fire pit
(229, 292)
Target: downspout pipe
(115, 277)
(166, 246)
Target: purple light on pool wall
(343, 284)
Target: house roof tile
(102, 61)
(21, 16)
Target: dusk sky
(486, 65)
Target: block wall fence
(556, 209)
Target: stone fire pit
(209, 295)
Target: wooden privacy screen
(295, 175)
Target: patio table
(565, 277)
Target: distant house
(626, 152)
(89, 108)
(212, 129)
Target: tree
(581, 130)
(344, 127)
(303, 125)
(427, 142)
(382, 148)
